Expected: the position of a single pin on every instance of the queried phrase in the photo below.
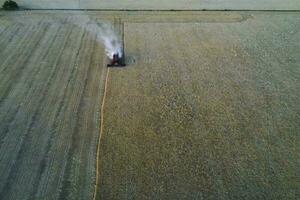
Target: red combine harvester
(116, 61)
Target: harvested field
(207, 107)
(51, 83)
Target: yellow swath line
(101, 133)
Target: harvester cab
(116, 61)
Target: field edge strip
(100, 134)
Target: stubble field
(207, 107)
(50, 87)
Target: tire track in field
(69, 185)
(28, 98)
(78, 161)
(100, 135)
(54, 116)
(9, 77)
(43, 95)
(3, 30)
(50, 184)
(6, 32)
(4, 123)
(51, 118)
(8, 60)
(8, 37)
(67, 127)
(74, 79)
(95, 89)
(15, 166)
(39, 126)
(10, 52)
(16, 96)
(27, 40)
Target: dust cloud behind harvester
(111, 35)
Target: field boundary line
(100, 134)
(163, 10)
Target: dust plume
(104, 32)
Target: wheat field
(206, 108)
